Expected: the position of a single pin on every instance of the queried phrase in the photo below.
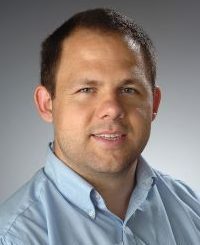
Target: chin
(112, 166)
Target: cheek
(140, 118)
(143, 113)
(144, 110)
(70, 119)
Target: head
(98, 88)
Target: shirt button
(91, 213)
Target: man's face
(102, 110)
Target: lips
(110, 139)
(109, 136)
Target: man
(98, 89)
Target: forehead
(93, 44)
(100, 53)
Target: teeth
(108, 136)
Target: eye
(86, 90)
(128, 90)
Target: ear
(156, 101)
(43, 103)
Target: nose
(110, 108)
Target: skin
(101, 91)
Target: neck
(116, 190)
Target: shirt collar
(145, 176)
(145, 180)
(71, 185)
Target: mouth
(110, 139)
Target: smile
(112, 137)
(110, 140)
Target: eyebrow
(88, 82)
(128, 81)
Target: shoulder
(16, 212)
(177, 189)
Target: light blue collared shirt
(58, 207)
